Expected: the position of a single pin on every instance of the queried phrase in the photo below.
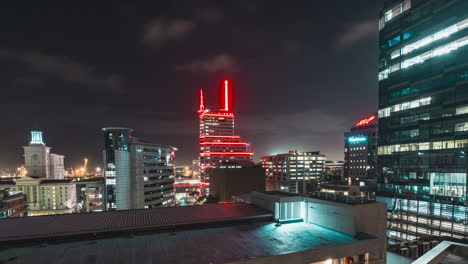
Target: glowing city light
(226, 153)
(217, 114)
(36, 137)
(226, 95)
(225, 143)
(219, 136)
(357, 139)
(365, 121)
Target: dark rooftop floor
(207, 245)
(69, 225)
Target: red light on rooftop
(365, 121)
(226, 153)
(224, 143)
(217, 115)
(219, 136)
(226, 98)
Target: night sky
(303, 72)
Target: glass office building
(423, 117)
(116, 151)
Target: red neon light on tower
(202, 102)
(365, 121)
(218, 142)
(226, 97)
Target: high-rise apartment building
(218, 142)
(137, 174)
(295, 172)
(423, 117)
(361, 151)
(40, 162)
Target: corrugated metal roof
(125, 220)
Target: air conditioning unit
(404, 252)
(424, 247)
(404, 244)
(434, 243)
(414, 252)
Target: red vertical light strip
(202, 102)
(226, 95)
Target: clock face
(34, 157)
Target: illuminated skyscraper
(361, 151)
(218, 142)
(137, 174)
(423, 117)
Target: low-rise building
(334, 171)
(12, 204)
(295, 172)
(90, 194)
(45, 196)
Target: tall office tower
(137, 174)
(361, 151)
(295, 172)
(423, 117)
(116, 157)
(152, 174)
(37, 156)
(218, 142)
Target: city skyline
(141, 66)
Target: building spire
(225, 96)
(202, 102)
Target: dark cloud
(63, 68)
(358, 32)
(219, 63)
(161, 30)
(210, 14)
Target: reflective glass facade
(423, 120)
(115, 139)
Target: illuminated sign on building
(365, 121)
(357, 139)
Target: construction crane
(82, 171)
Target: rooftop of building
(116, 128)
(145, 142)
(54, 181)
(94, 179)
(331, 197)
(219, 244)
(296, 153)
(73, 225)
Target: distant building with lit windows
(218, 142)
(361, 151)
(294, 172)
(423, 117)
(45, 196)
(137, 174)
(334, 171)
(40, 162)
